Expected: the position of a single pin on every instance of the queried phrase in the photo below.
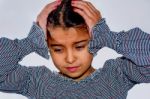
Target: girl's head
(64, 16)
(68, 39)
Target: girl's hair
(64, 16)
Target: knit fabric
(113, 81)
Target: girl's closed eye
(58, 50)
(80, 47)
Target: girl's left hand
(90, 14)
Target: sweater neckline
(72, 81)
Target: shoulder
(39, 71)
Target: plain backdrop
(17, 16)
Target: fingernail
(58, 2)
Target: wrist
(101, 37)
(100, 32)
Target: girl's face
(69, 52)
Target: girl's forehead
(66, 35)
(60, 32)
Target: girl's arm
(20, 79)
(133, 44)
(15, 78)
(123, 73)
(12, 51)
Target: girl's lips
(72, 69)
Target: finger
(83, 14)
(87, 10)
(97, 12)
(86, 18)
(49, 7)
(84, 6)
(42, 17)
(91, 6)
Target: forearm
(101, 37)
(12, 51)
(17, 49)
(37, 42)
(133, 44)
(14, 77)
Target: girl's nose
(70, 57)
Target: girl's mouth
(72, 69)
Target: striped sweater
(113, 81)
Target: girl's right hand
(42, 17)
(90, 14)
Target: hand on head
(90, 14)
(84, 8)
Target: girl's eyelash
(57, 50)
(80, 46)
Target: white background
(16, 17)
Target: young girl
(74, 32)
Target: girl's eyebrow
(80, 41)
(53, 45)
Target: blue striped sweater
(113, 81)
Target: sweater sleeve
(13, 76)
(121, 74)
(133, 44)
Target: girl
(74, 32)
